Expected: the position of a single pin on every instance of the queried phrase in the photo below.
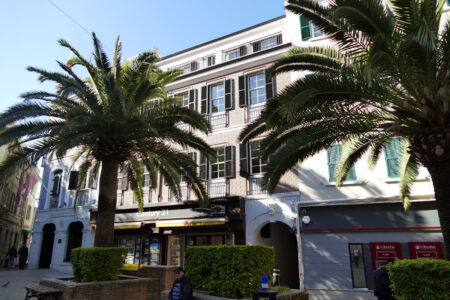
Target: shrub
(228, 271)
(420, 279)
(97, 263)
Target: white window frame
(228, 54)
(258, 89)
(260, 164)
(220, 163)
(220, 98)
(186, 68)
(269, 43)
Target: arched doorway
(48, 237)
(283, 239)
(75, 238)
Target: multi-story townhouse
(62, 221)
(325, 237)
(17, 207)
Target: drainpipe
(300, 249)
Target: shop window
(358, 269)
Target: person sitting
(181, 288)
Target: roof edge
(221, 38)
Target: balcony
(218, 188)
(255, 185)
(83, 198)
(184, 193)
(253, 112)
(218, 120)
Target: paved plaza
(13, 282)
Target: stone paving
(13, 281)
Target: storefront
(160, 235)
(343, 243)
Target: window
(146, 176)
(222, 167)
(269, 43)
(184, 99)
(122, 179)
(308, 30)
(334, 153)
(57, 175)
(218, 167)
(256, 164)
(392, 153)
(28, 212)
(190, 67)
(217, 98)
(193, 156)
(210, 60)
(256, 90)
(235, 53)
(356, 254)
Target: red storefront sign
(426, 250)
(381, 251)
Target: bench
(41, 292)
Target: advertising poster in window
(154, 252)
(426, 250)
(382, 251)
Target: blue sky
(30, 29)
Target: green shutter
(392, 152)
(305, 28)
(333, 153)
(448, 2)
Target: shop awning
(29, 231)
(191, 222)
(127, 225)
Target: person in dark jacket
(382, 289)
(181, 288)
(12, 254)
(23, 256)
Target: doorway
(48, 237)
(284, 240)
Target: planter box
(290, 295)
(127, 287)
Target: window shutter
(244, 161)
(270, 85)
(73, 180)
(242, 91)
(124, 185)
(203, 168)
(192, 99)
(193, 66)
(391, 153)
(56, 184)
(279, 39)
(242, 50)
(204, 100)
(193, 156)
(229, 162)
(334, 153)
(229, 99)
(305, 28)
(93, 182)
(211, 61)
(256, 46)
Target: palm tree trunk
(439, 173)
(104, 235)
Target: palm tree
(386, 75)
(110, 119)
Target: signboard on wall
(381, 251)
(425, 250)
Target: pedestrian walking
(12, 254)
(23, 256)
(382, 287)
(181, 288)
